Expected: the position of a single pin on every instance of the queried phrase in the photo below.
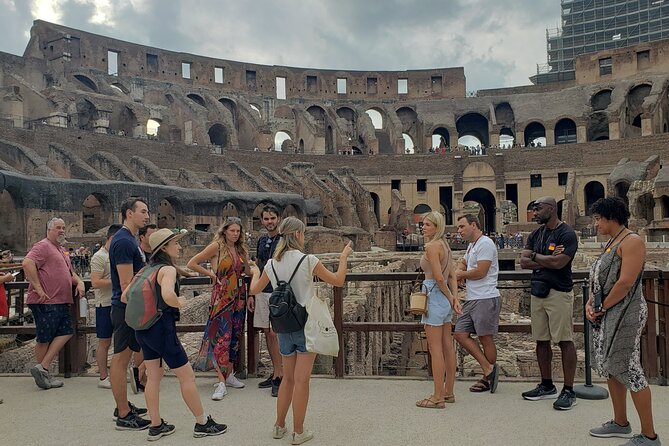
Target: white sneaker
(278, 432)
(220, 392)
(305, 436)
(104, 383)
(233, 382)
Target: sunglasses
(234, 219)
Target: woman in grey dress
(618, 312)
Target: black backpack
(285, 314)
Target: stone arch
(634, 106)
(593, 191)
(120, 87)
(409, 146)
(229, 210)
(488, 208)
(290, 211)
(507, 138)
(124, 121)
(620, 189)
(598, 126)
(535, 133)
(231, 106)
(301, 145)
(280, 139)
(407, 116)
(12, 220)
(96, 213)
(565, 131)
(530, 213)
(504, 115)
(601, 100)
(169, 214)
(199, 100)
(441, 137)
(473, 124)
(478, 170)
(377, 116)
(87, 114)
(86, 82)
(218, 135)
(376, 203)
(318, 113)
(421, 209)
(284, 112)
(348, 114)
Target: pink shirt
(53, 269)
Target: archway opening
(621, 189)
(506, 138)
(646, 207)
(470, 141)
(408, 144)
(152, 126)
(199, 100)
(87, 82)
(665, 206)
(593, 191)
(565, 131)
(473, 124)
(376, 117)
(168, 215)
(376, 203)
(530, 213)
(279, 139)
(419, 211)
(218, 135)
(229, 210)
(256, 109)
(290, 211)
(598, 127)
(441, 138)
(486, 200)
(96, 213)
(504, 115)
(601, 100)
(535, 135)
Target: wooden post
(649, 338)
(663, 344)
(338, 295)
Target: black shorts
(51, 321)
(124, 336)
(160, 341)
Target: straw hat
(161, 237)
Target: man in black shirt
(259, 304)
(549, 252)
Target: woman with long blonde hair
(225, 325)
(441, 286)
(297, 361)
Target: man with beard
(48, 269)
(549, 252)
(269, 216)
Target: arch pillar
(581, 134)
(550, 136)
(614, 130)
(520, 138)
(493, 137)
(101, 124)
(646, 125)
(658, 209)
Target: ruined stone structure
(84, 112)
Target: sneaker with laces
(55, 383)
(565, 401)
(139, 411)
(209, 428)
(220, 392)
(279, 432)
(104, 383)
(276, 382)
(305, 436)
(266, 384)
(157, 432)
(132, 422)
(233, 382)
(642, 440)
(41, 376)
(612, 429)
(540, 392)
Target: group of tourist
(616, 308)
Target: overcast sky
(499, 42)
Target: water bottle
(83, 307)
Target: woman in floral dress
(225, 326)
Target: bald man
(549, 252)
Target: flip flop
(480, 386)
(493, 378)
(429, 403)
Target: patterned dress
(617, 342)
(225, 326)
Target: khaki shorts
(552, 316)
(261, 314)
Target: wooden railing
(654, 343)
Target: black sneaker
(540, 392)
(160, 431)
(209, 428)
(276, 382)
(565, 401)
(134, 409)
(132, 422)
(266, 384)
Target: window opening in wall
(562, 178)
(396, 184)
(152, 127)
(402, 86)
(185, 70)
(436, 84)
(281, 87)
(535, 180)
(421, 185)
(251, 79)
(312, 84)
(218, 75)
(112, 63)
(341, 85)
(605, 66)
(151, 62)
(372, 85)
(642, 60)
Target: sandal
(429, 403)
(493, 378)
(480, 386)
(449, 399)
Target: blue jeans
(439, 311)
(292, 343)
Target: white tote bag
(319, 331)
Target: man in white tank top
(478, 270)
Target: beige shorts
(261, 314)
(552, 317)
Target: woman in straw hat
(160, 343)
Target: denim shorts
(291, 343)
(439, 311)
(51, 321)
(103, 323)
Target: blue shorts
(439, 311)
(103, 323)
(161, 342)
(51, 321)
(291, 343)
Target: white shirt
(486, 287)
(303, 282)
(100, 264)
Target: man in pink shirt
(47, 267)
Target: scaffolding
(589, 26)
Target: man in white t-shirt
(478, 270)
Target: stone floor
(341, 412)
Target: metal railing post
(588, 391)
(338, 295)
